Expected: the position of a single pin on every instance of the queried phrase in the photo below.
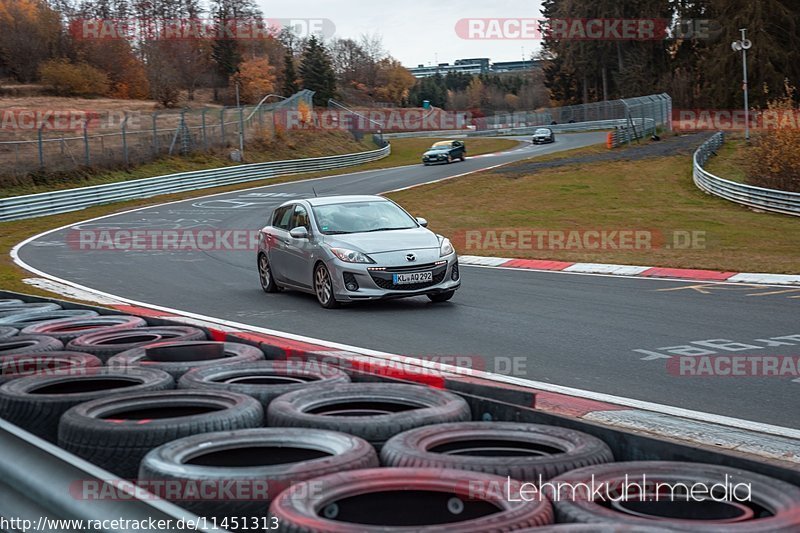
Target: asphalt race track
(605, 334)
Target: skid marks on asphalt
(745, 289)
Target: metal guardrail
(594, 125)
(784, 202)
(51, 203)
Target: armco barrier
(31, 466)
(784, 202)
(595, 125)
(51, 203)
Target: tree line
(694, 63)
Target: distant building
(479, 65)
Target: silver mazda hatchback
(351, 248)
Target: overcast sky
(416, 31)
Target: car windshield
(361, 217)
(440, 146)
(542, 131)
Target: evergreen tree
(316, 72)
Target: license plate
(412, 277)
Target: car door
(278, 238)
(299, 253)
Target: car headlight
(445, 248)
(351, 256)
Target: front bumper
(433, 160)
(545, 140)
(375, 284)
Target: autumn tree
(30, 33)
(256, 79)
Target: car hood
(437, 152)
(386, 241)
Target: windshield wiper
(383, 229)
(337, 232)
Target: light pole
(743, 46)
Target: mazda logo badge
(411, 257)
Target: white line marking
(548, 387)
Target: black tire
(18, 366)
(6, 332)
(262, 462)
(774, 502)
(405, 500)
(265, 276)
(115, 433)
(178, 357)
(522, 451)
(373, 411)
(29, 344)
(13, 309)
(67, 329)
(36, 403)
(440, 297)
(323, 287)
(105, 344)
(463, 157)
(25, 319)
(263, 380)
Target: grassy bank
(654, 195)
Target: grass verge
(730, 163)
(654, 194)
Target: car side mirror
(299, 233)
(422, 222)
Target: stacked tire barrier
(303, 445)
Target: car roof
(341, 199)
(443, 143)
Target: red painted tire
(116, 433)
(521, 451)
(178, 357)
(66, 329)
(404, 500)
(773, 506)
(44, 363)
(105, 344)
(36, 403)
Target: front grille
(386, 283)
(412, 267)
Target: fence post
(41, 147)
(155, 134)
(125, 140)
(205, 134)
(87, 155)
(222, 125)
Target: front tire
(265, 274)
(441, 297)
(323, 287)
